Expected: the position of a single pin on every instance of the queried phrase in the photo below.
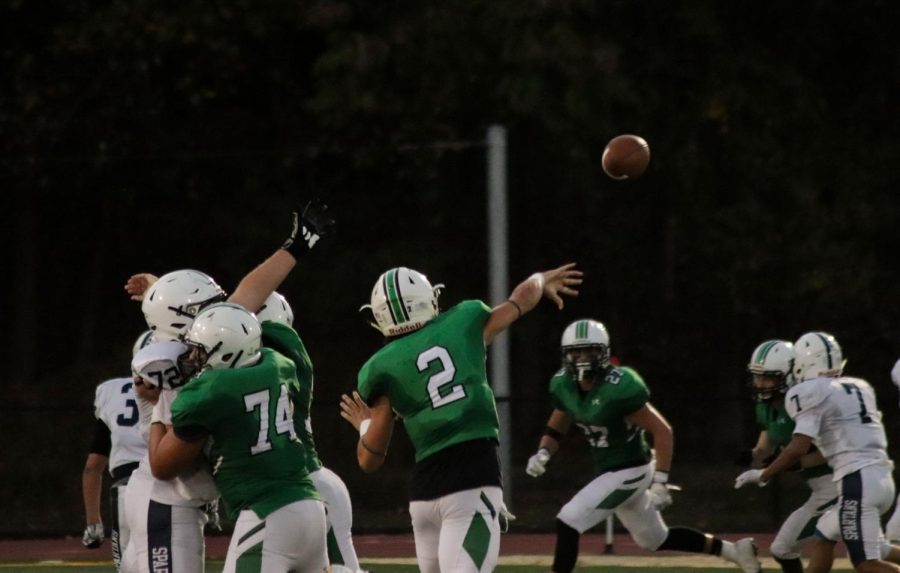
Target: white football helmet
(143, 340)
(581, 334)
(772, 359)
(817, 354)
(228, 334)
(276, 309)
(403, 301)
(173, 301)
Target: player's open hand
(354, 409)
(560, 281)
(138, 284)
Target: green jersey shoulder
(601, 413)
(435, 379)
(286, 341)
(258, 461)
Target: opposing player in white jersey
(167, 516)
(839, 415)
(274, 316)
(892, 529)
(118, 445)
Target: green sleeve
(370, 383)
(761, 417)
(194, 406)
(634, 392)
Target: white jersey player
(839, 415)
(892, 529)
(118, 445)
(166, 517)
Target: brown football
(626, 157)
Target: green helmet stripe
(392, 291)
(827, 350)
(581, 329)
(764, 351)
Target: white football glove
(505, 518)
(93, 536)
(660, 496)
(537, 462)
(748, 477)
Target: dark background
(142, 135)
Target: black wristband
(553, 433)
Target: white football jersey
(114, 405)
(842, 418)
(157, 364)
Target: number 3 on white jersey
(441, 378)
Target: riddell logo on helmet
(406, 328)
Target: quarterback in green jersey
(771, 371)
(431, 374)
(277, 319)
(611, 405)
(240, 399)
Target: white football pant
(800, 525)
(339, 518)
(459, 532)
(624, 493)
(290, 539)
(162, 537)
(866, 495)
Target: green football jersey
(436, 380)
(258, 461)
(286, 341)
(776, 422)
(601, 413)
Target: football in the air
(626, 157)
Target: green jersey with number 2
(436, 381)
(258, 461)
(601, 413)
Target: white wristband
(364, 427)
(660, 476)
(539, 277)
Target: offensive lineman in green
(612, 407)
(432, 374)
(240, 399)
(771, 370)
(276, 318)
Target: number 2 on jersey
(440, 379)
(283, 422)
